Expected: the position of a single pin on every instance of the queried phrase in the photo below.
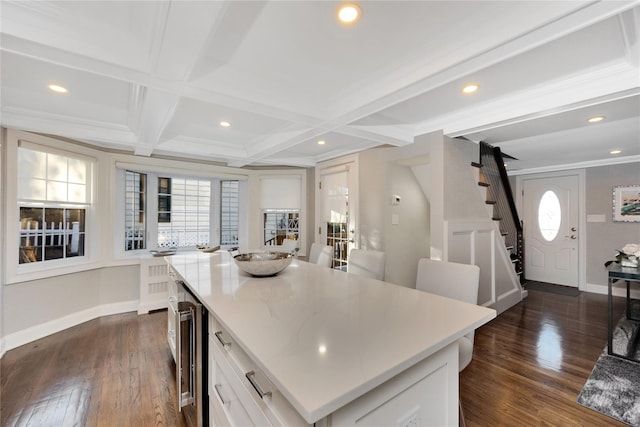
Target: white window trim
(15, 272)
(298, 174)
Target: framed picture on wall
(626, 203)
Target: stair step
(504, 233)
(483, 184)
(490, 202)
(509, 248)
(476, 165)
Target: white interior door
(337, 223)
(551, 229)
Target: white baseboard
(152, 305)
(619, 290)
(36, 332)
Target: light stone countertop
(322, 336)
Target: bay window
(182, 212)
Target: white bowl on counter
(262, 264)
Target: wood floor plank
(528, 367)
(111, 371)
(530, 363)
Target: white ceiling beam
(549, 112)
(394, 135)
(616, 77)
(156, 110)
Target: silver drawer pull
(250, 376)
(224, 343)
(218, 387)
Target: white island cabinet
(319, 346)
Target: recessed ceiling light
(615, 151)
(58, 88)
(321, 142)
(225, 124)
(348, 13)
(470, 88)
(596, 119)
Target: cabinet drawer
(270, 408)
(227, 407)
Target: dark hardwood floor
(115, 371)
(530, 363)
(528, 367)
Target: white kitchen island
(326, 347)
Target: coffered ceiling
(158, 77)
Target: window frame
(19, 272)
(221, 221)
(141, 210)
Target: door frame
(350, 163)
(582, 217)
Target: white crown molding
(200, 147)
(67, 126)
(296, 161)
(579, 165)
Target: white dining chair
(320, 254)
(456, 281)
(290, 246)
(366, 263)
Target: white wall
(461, 200)
(41, 307)
(385, 172)
(373, 194)
(434, 142)
(408, 239)
(2, 209)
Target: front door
(551, 219)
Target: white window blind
(280, 193)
